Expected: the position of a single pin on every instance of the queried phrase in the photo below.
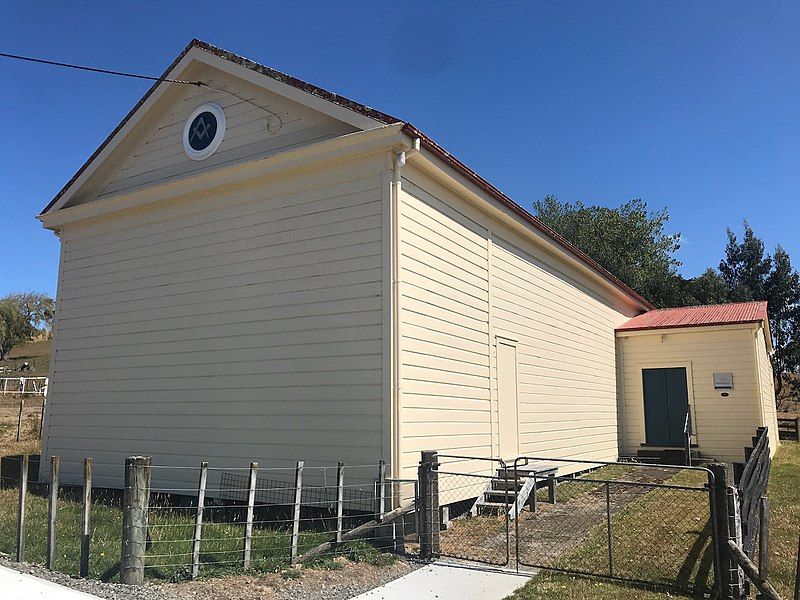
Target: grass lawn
(784, 494)
(171, 531)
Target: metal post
(298, 494)
(23, 492)
(608, 525)
(248, 524)
(551, 489)
(198, 519)
(339, 501)
(52, 507)
(134, 519)
(86, 514)
(429, 501)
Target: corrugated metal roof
(698, 316)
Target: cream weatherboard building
(253, 268)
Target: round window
(204, 131)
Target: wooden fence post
(23, 492)
(41, 416)
(198, 519)
(429, 505)
(339, 502)
(86, 506)
(763, 537)
(298, 494)
(134, 519)
(19, 420)
(52, 507)
(248, 525)
(725, 577)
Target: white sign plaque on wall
(723, 381)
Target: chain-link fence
(638, 523)
(645, 523)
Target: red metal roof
(698, 316)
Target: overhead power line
(97, 70)
(147, 77)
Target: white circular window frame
(203, 154)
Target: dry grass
(9, 415)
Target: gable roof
(698, 316)
(380, 118)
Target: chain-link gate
(483, 534)
(636, 522)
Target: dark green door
(666, 400)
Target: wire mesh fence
(225, 530)
(262, 519)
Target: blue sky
(690, 106)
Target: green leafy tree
(745, 267)
(15, 328)
(629, 241)
(782, 292)
(750, 274)
(21, 317)
(708, 288)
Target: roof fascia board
(686, 329)
(346, 147)
(284, 89)
(446, 174)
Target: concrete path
(449, 582)
(21, 586)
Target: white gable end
(260, 123)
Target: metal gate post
(608, 525)
(429, 505)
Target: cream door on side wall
(507, 405)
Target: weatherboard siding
(723, 426)
(259, 123)
(240, 326)
(467, 279)
(767, 387)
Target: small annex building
(711, 362)
(255, 268)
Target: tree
(629, 241)
(36, 307)
(14, 327)
(708, 288)
(751, 275)
(21, 316)
(745, 267)
(782, 292)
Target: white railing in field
(36, 386)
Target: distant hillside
(36, 353)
